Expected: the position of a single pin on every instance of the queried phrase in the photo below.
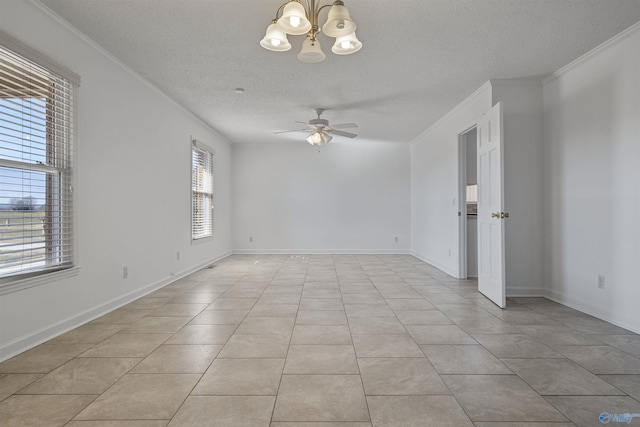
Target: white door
(490, 207)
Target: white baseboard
(437, 265)
(23, 344)
(626, 322)
(526, 292)
(322, 252)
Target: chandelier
(296, 19)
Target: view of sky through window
(22, 139)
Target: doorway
(468, 151)
(486, 136)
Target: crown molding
(526, 81)
(593, 52)
(86, 39)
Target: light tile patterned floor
(326, 341)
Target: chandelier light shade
(311, 51)
(296, 18)
(339, 22)
(346, 45)
(275, 39)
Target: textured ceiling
(420, 57)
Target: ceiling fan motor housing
(319, 122)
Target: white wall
(352, 196)
(435, 184)
(132, 189)
(522, 121)
(592, 192)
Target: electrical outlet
(600, 281)
(396, 239)
(125, 272)
(171, 274)
(250, 239)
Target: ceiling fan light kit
(319, 138)
(296, 19)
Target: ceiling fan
(321, 130)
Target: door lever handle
(505, 214)
(495, 214)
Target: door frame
(462, 201)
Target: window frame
(197, 146)
(59, 172)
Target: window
(201, 191)
(36, 134)
(472, 193)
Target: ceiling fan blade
(298, 121)
(294, 130)
(345, 126)
(341, 133)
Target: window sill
(42, 279)
(201, 240)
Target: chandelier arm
(319, 29)
(326, 5)
(314, 15)
(279, 11)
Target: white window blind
(201, 191)
(36, 134)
